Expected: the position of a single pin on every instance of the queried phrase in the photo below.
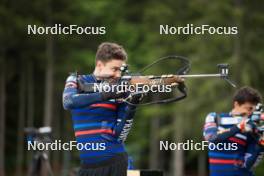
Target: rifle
(257, 117)
(176, 81)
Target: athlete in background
(234, 127)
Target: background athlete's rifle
(175, 80)
(257, 117)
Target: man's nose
(249, 113)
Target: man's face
(110, 68)
(245, 109)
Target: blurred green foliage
(135, 25)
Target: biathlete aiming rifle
(176, 81)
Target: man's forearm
(223, 135)
(75, 100)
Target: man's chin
(113, 80)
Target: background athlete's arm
(211, 132)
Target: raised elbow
(211, 138)
(67, 102)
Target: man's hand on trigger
(114, 93)
(136, 98)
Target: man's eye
(251, 109)
(115, 69)
(243, 114)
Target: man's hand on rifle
(245, 126)
(178, 79)
(261, 139)
(136, 98)
(114, 93)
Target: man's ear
(236, 104)
(99, 64)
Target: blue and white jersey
(95, 121)
(236, 161)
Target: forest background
(33, 69)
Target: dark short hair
(108, 51)
(247, 94)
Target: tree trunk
(67, 156)
(237, 52)
(202, 164)
(21, 121)
(56, 160)
(154, 144)
(49, 82)
(48, 104)
(30, 103)
(30, 93)
(2, 116)
(178, 155)
(154, 160)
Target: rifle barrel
(201, 75)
